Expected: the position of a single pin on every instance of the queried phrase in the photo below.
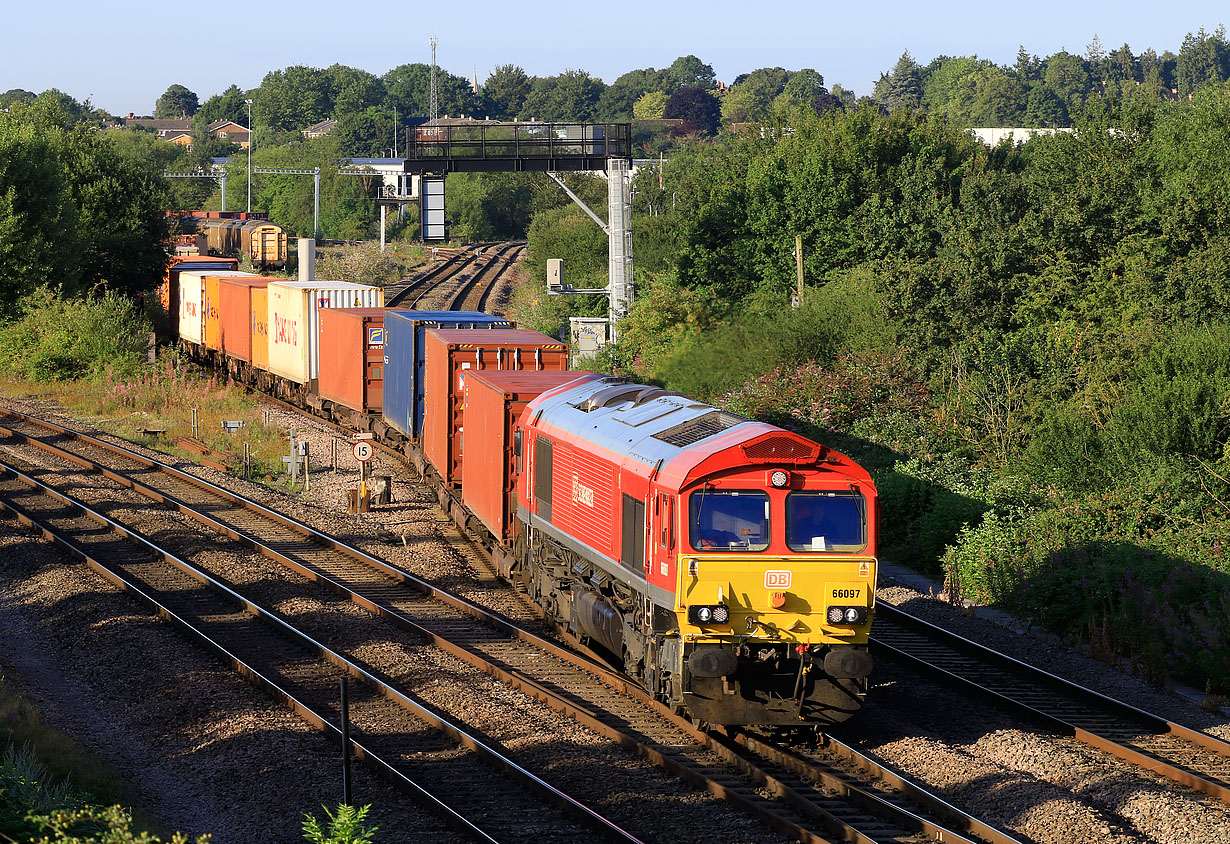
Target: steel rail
(515, 248)
(526, 684)
(451, 263)
(763, 745)
(1135, 718)
(533, 688)
(457, 733)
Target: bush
(59, 339)
(28, 788)
(364, 263)
(346, 826)
(95, 825)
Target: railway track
(474, 294)
(1184, 755)
(464, 281)
(398, 294)
(473, 786)
(806, 799)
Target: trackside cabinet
(404, 360)
(454, 353)
(493, 402)
(352, 357)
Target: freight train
(727, 565)
(235, 234)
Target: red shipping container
(352, 357)
(493, 403)
(450, 354)
(236, 318)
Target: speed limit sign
(363, 451)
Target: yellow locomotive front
(775, 592)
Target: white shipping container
(294, 322)
(192, 302)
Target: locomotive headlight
(847, 615)
(709, 614)
(779, 479)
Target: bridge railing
(520, 141)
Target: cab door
(662, 539)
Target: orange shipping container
(352, 357)
(493, 403)
(212, 308)
(260, 327)
(236, 297)
(451, 353)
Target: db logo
(777, 580)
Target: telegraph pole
(249, 102)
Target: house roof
(159, 125)
(218, 124)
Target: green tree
(176, 102)
(650, 107)
(231, 105)
(690, 72)
(38, 219)
(951, 85)
(1045, 110)
(291, 99)
(15, 95)
(999, 100)
(800, 90)
(571, 96)
(489, 206)
(1203, 60)
(353, 91)
(618, 101)
(505, 91)
(1068, 78)
(901, 87)
(696, 107)
(409, 87)
(751, 98)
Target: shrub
(26, 788)
(94, 825)
(346, 826)
(364, 263)
(62, 339)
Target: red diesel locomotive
(727, 564)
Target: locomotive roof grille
(779, 448)
(695, 430)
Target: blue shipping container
(404, 335)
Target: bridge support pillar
(619, 243)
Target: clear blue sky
(124, 55)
